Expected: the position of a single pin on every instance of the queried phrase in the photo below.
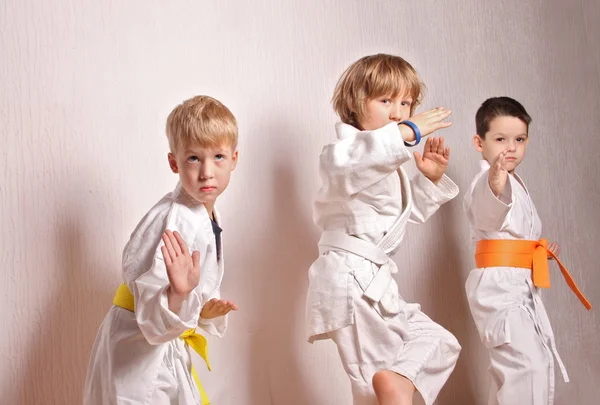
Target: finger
(210, 304)
(166, 256)
(435, 144)
(447, 153)
(442, 115)
(497, 163)
(169, 246)
(181, 243)
(174, 243)
(444, 124)
(440, 148)
(219, 306)
(497, 158)
(503, 161)
(196, 260)
(427, 147)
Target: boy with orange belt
(512, 263)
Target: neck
(210, 209)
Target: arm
(166, 303)
(183, 271)
(357, 162)
(429, 197)
(488, 211)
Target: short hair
(371, 77)
(201, 120)
(499, 107)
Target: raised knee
(383, 382)
(451, 345)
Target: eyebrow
(503, 134)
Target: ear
(173, 163)
(234, 159)
(478, 143)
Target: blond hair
(203, 121)
(371, 77)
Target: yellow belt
(124, 299)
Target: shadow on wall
(289, 249)
(57, 360)
(448, 305)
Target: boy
(503, 291)
(140, 355)
(388, 347)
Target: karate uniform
(138, 358)
(506, 306)
(363, 207)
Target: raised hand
(183, 270)
(435, 158)
(428, 122)
(498, 174)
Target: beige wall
(85, 88)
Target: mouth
(511, 159)
(207, 189)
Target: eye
(386, 101)
(193, 159)
(219, 156)
(499, 139)
(521, 139)
(407, 103)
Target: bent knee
(450, 345)
(383, 381)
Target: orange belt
(527, 254)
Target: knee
(383, 382)
(391, 387)
(451, 346)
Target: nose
(396, 112)
(206, 171)
(512, 146)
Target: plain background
(85, 89)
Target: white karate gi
(506, 306)
(363, 207)
(139, 358)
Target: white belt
(331, 240)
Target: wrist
(175, 299)
(408, 135)
(435, 180)
(412, 132)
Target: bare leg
(392, 388)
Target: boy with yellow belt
(141, 352)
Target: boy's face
(383, 110)
(204, 172)
(505, 133)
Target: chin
(511, 167)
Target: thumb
(418, 158)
